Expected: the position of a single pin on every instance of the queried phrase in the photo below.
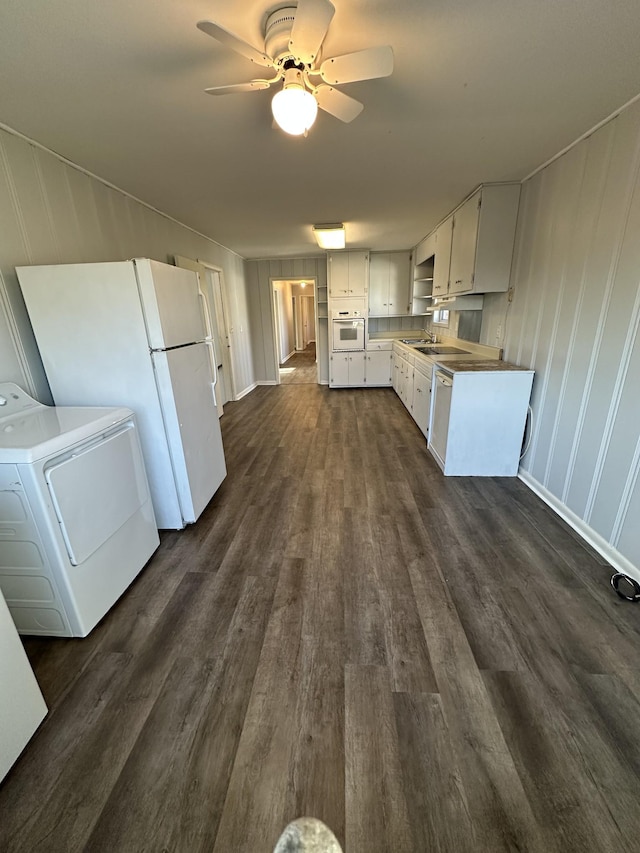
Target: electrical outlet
(499, 332)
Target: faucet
(432, 338)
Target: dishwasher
(442, 389)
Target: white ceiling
(483, 90)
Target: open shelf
(422, 287)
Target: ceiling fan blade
(232, 41)
(310, 26)
(337, 103)
(362, 65)
(236, 88)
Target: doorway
(294, 330)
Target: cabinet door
(442, 258)
(463, 245)
(339, 369)
(399, 283)
(356, 368)
(396, 373)
(338, 274)
(421, 401)
(379, 285)
(407, 386)
(378, 367)
(426, 248)
(358, 273)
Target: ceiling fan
(292, 46)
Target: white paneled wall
(575, 318)
(51, 212)
(260, 274)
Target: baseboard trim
(246, 391)
(286, 359)
(617, 560)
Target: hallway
(301, 368)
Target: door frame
(201, 267)
(312, 283)
(227, 357)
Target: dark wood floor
(424, 663)
(301, 368)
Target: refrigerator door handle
(212, 360)
(205, 312)
(209, 341)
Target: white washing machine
(76, 519)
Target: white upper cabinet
(425, 249)
(389, 284)
(473, 246)
(348, 274)
(484, 230)
(463, 245)
(443, 234)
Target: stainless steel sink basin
(436, 349)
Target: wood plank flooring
(301, 368)
(424, 663)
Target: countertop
(479, 366)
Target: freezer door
(191, 421)
(170, 303)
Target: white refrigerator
(132, 333)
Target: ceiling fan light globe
(294, 109)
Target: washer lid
(45, 430)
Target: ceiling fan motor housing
(278, 28)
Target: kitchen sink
(436, 349)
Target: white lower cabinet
(412, 383)
(378, 367)
(407, 387)
(346, 368)
(422, 398)
(396, 365)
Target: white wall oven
(347, 331)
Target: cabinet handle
(459, 281)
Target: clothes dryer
(76, 519)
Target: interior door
(221, 334)
(308, 320)
(208, 316)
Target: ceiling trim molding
(581, 138)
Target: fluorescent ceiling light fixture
(294, 108)
(330, 236)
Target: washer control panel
(13, 400)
